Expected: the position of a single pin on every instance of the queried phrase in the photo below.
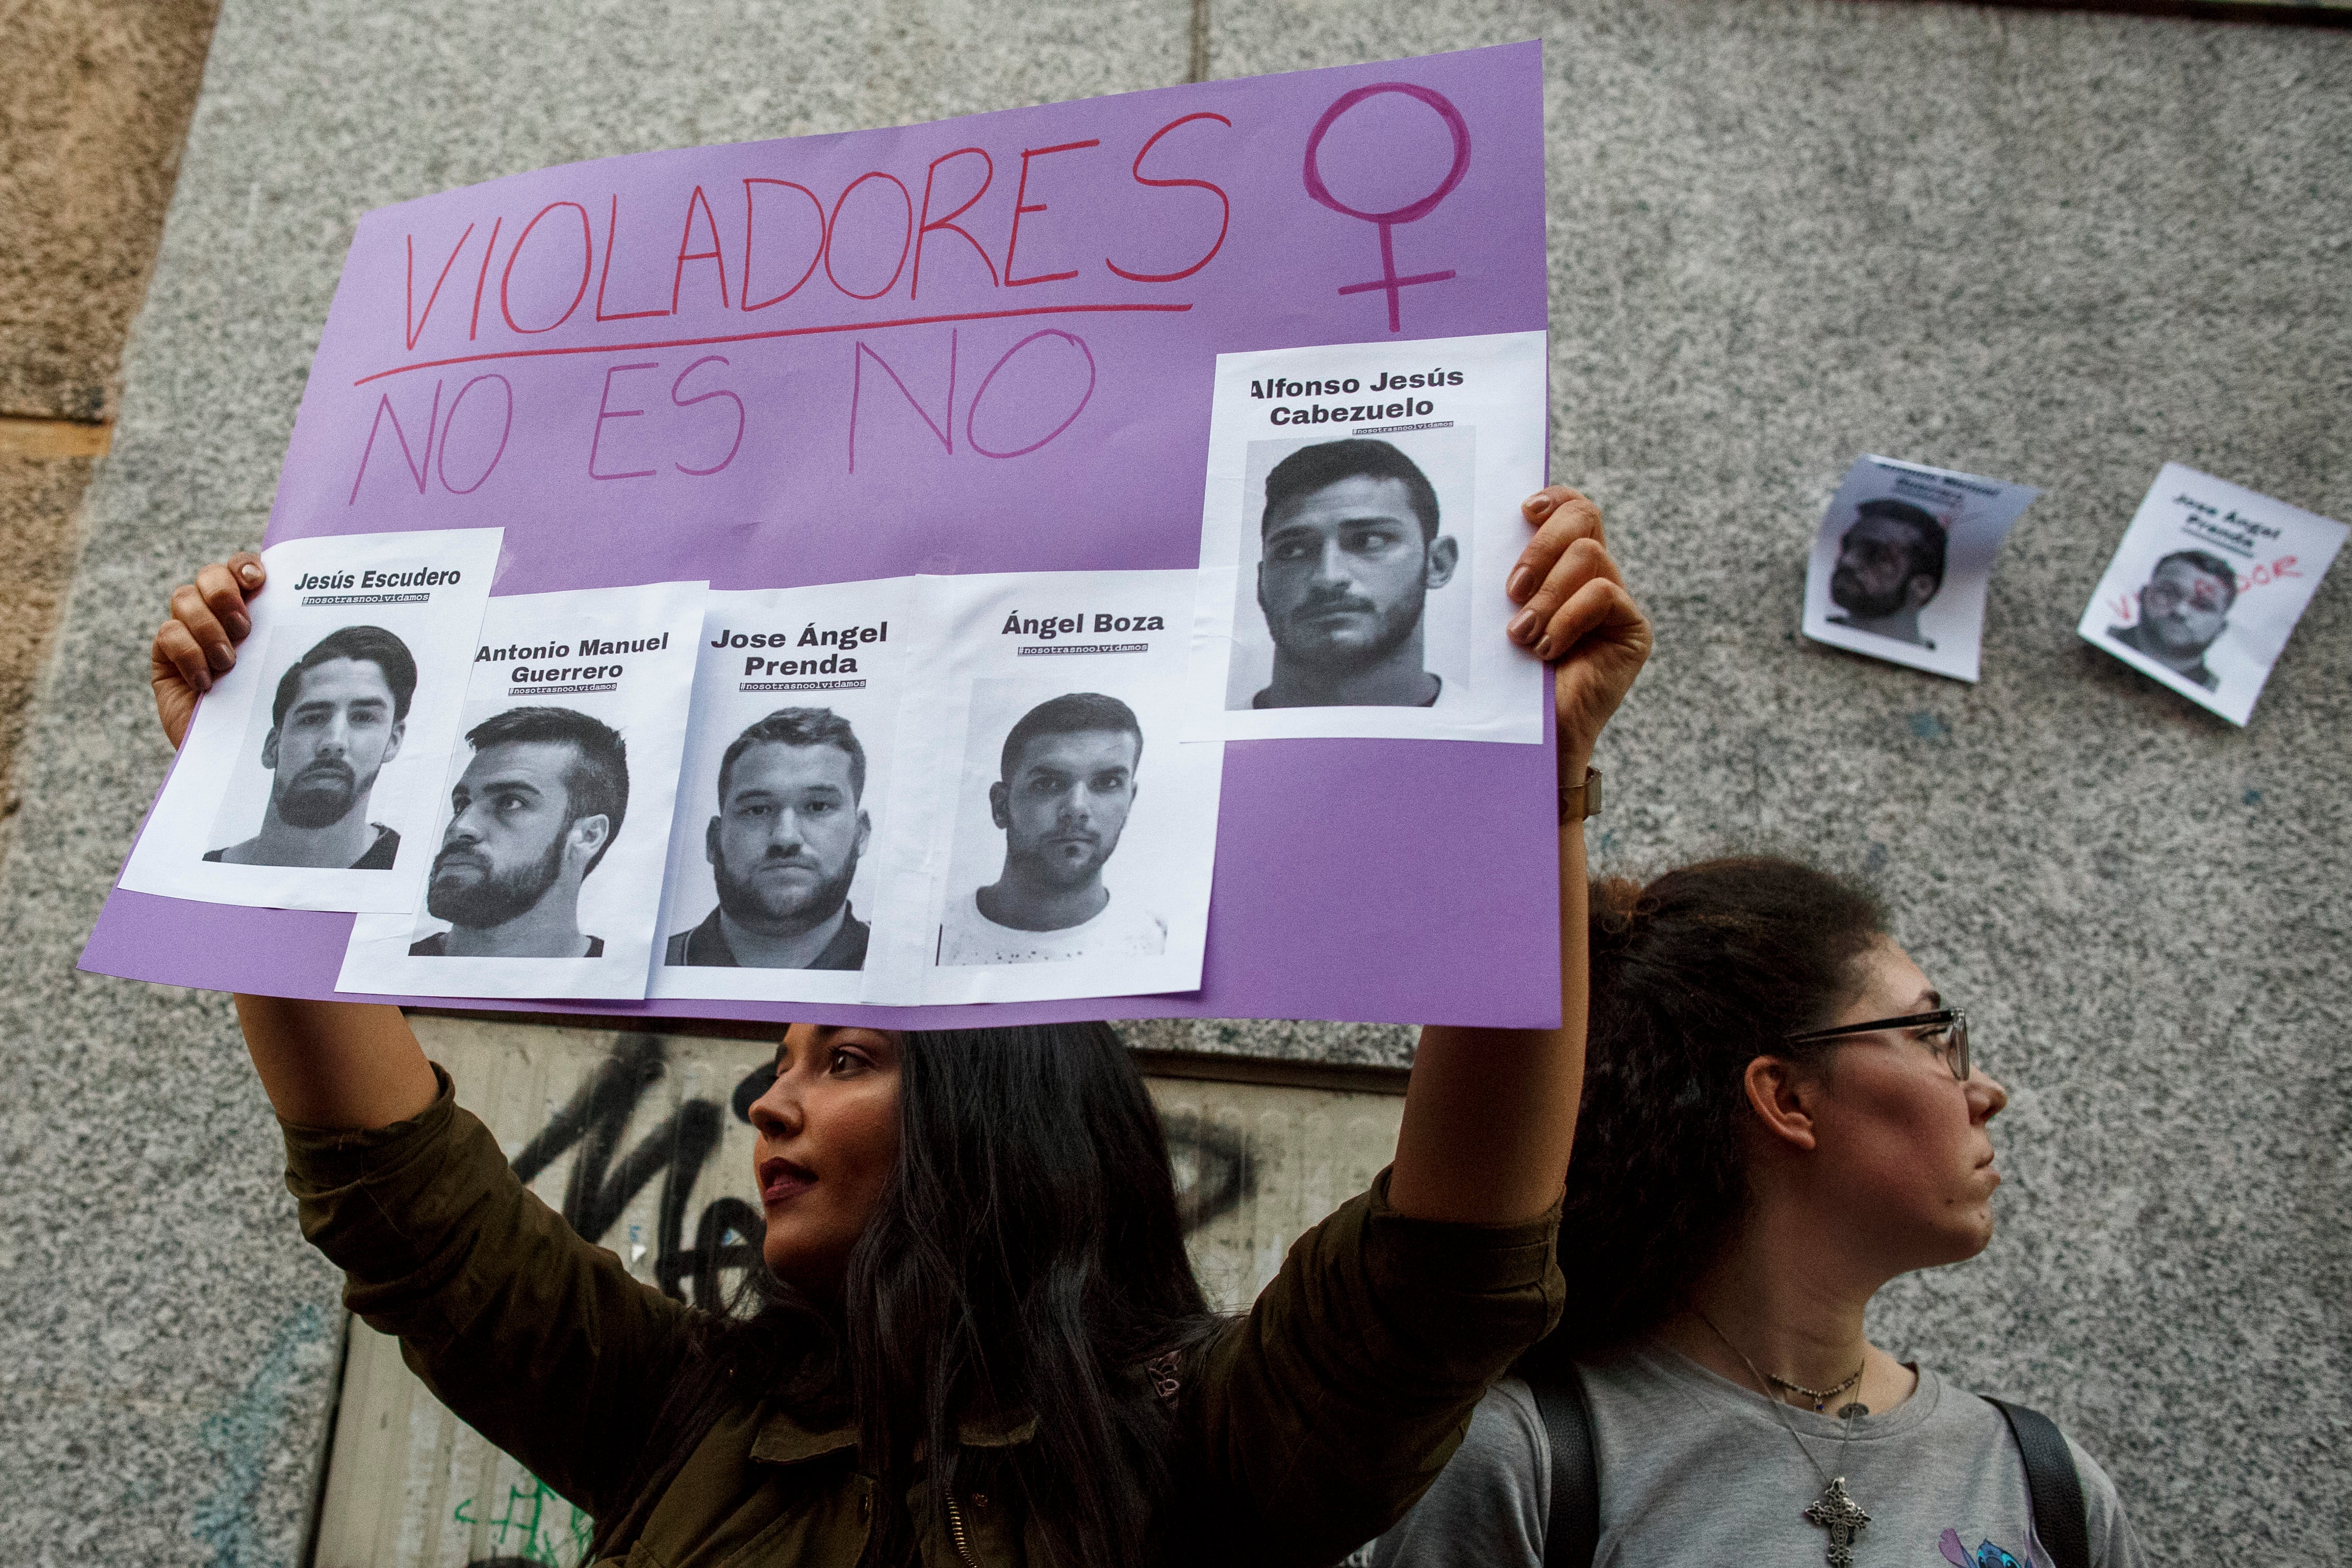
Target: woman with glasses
(1780, 1116)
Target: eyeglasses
(2165, 596)
(1945, 1034)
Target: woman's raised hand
(198, 644)
(1576, 615)
(324, 1064)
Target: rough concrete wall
(41, 496)
(93, 102)
(97, 95)
(2056, 248)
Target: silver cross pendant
(1842, 1517)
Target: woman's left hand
(1577, 615)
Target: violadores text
(1089, 227)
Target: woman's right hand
(198, 644)
(324, 1064)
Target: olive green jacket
(1309, 1425)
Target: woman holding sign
(981, 1341)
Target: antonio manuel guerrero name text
(588, 648)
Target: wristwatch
(1580, 800)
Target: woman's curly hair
(1693, 976)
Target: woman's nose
(1985, 1095)
(777, 1112)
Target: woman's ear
(1782, 1097)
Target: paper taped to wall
(2206, 586)
(1903, 561)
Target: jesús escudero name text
(335, 582)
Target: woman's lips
(782, 1180)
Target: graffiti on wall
(531, 1527)
(600, 1188)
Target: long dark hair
(1693, 976)
(1025, 1260)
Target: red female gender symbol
(1411, 212)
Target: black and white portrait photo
(1051, 836)
(783, 845)
(540, 803)
(1069, 771)
(2183, 607)
(555, 807)
(1902, 561)
(1351, 543)
(1361, 507)
(777, 866)
(336, 720)
(308, 777)
(1890, 563)
(2206, 586)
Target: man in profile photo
(784, 848)
(1348, 552)
(1066, 784)
(337, 718)
(2184, 607)
(1890, 563)
(533, 813)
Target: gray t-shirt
(1695, 1468)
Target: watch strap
(1581, 799)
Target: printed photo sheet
(1056, 838)
(1903, 561)
(306, 779)
(2206, 586)
(552, 821)
(785, 800)
(1361, 511)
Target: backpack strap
(2060, 1522)
(1572, 1527)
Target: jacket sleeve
(1322, 1414)
(538, 1341)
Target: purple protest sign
(982, 345)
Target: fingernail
(1522, 582)
(203, 682)
(250, 571)
(1544, 650)
(1536, 504)
(239, 622)
(1523, 626)
(220, 656)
